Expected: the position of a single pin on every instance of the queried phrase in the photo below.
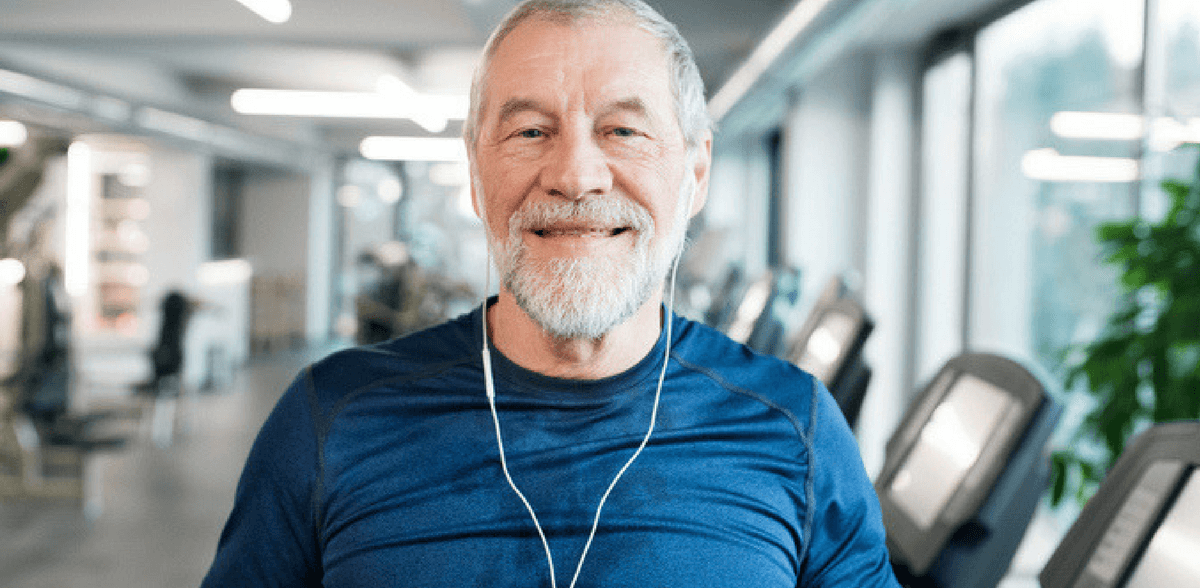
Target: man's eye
(530, 133)
(624, 132)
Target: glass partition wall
(1057, 151)
(1045, 122)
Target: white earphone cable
(489, 385)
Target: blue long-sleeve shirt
(379, 467)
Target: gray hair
(687, 88)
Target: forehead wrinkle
(602, 88)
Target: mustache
(615, 213)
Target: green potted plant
(1145, 366)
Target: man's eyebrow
(632, 105)
(514, 106)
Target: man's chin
(580, 304)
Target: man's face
(583, 172)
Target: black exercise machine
(964, 472)
(1142, 527)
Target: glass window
(1172, 96)
(1057, 140)
(942, 237)
(1175, 52)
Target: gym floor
(160, 506)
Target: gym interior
(975, 221)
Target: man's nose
(577, 167)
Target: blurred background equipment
(723, 298)
(764, 313)
(44, 443)
(166, 357)
(21, 171)
(829, 346)
(1142, 528)
(398, 296)
(965, 471)
(276, 312)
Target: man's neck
(523, 341)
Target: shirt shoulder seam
(805, 438)
(323, 423)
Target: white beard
(586, 297)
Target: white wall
(739, 187)
(942, 236)
(274, 221)
(826, 155)
(179, 230)
(274, 235)
(888, 282)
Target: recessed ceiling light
(413, 149)
(273, 11)
(428, 110)
(1098, 125)
(12, 133)
(1048, 165)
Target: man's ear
(475, 201)
(701, 167)
(471, 175)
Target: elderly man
(572, 431)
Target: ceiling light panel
(1048, 165)
(12, 133)
(426, 107)
(273, 11)
(413, 149)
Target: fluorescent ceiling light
(224, 272)
(760, 60)
(1165, 133)
(12, 272)
(1168, 133)
(1048, 165)
(274, 11)
(413, 149)
(12, 133)
(393, 88)
(429, 110)
(1098, 125)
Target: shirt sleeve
(270, 538)
(847, 546)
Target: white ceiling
(189, 56)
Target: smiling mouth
(549, 232)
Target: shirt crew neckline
(527, 381)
